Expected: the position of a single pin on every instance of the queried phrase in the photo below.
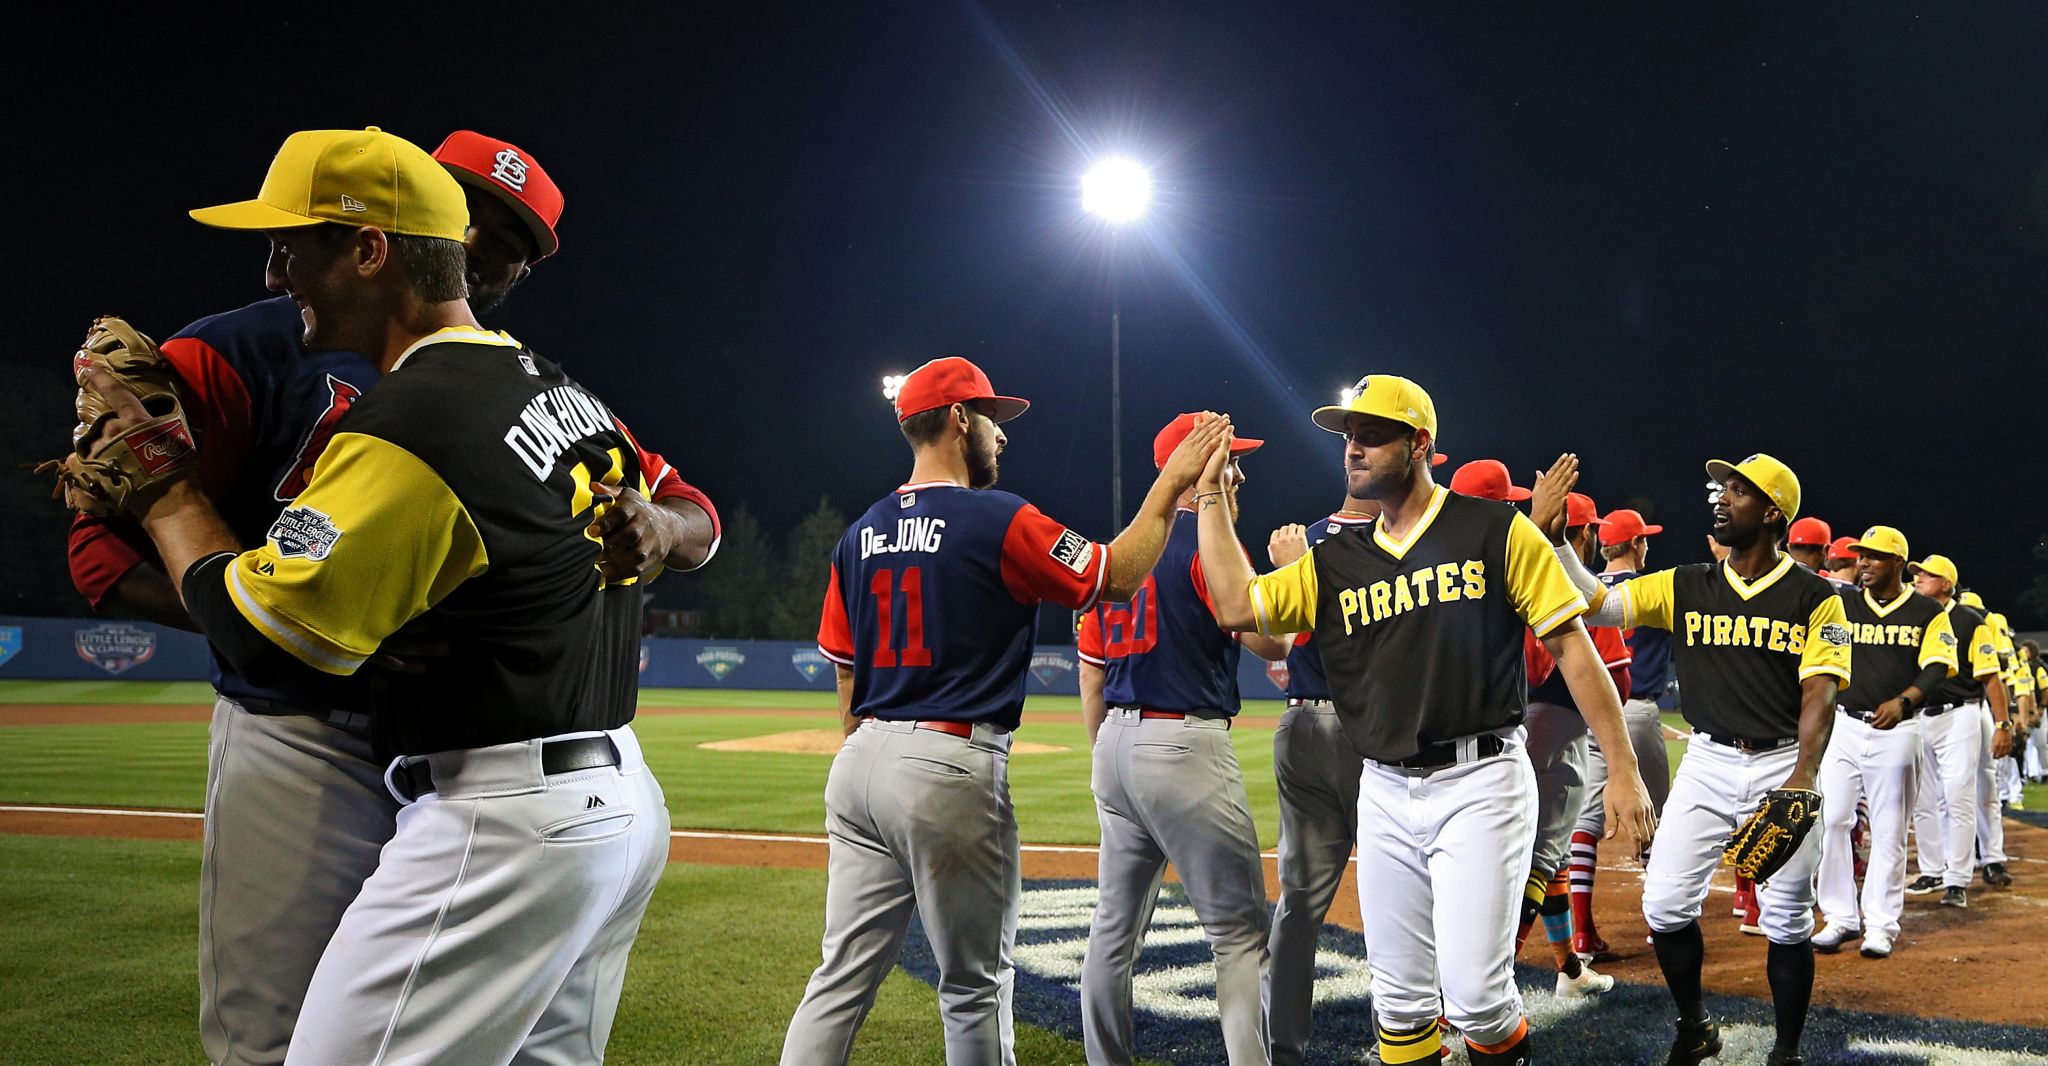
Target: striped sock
(1398, 1046)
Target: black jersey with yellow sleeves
(1421, 637)
(1742, 649)
(453, 504)
(1893, 643)
(1978, 658)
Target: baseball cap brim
(1007, 407)
(1517, 494)
(251, 215)
(1245, 445)
(545, 242)
(1719, 469)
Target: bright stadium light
(1116, 190)
(893, 384)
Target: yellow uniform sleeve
(1938, 644)
(1284, 601)
(2021, 682)
(1537, 585)
(375, 540)
(1648, 600)
(1828, 645)
(1983, 654)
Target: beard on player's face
(983, 447)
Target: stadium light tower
(1116, 190)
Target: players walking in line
(928, 620)
(1904, 649)
(1625, 545)
(1158, 693)
(478, 928)
(1945, 814)
(297, 809)
(1557, 747)
(1420, 624)
(1760, 648)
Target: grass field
(97, 957)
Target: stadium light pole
(1118, 191)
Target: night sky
(1652, 237)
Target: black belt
(1440, 755)
(1939, 708)
(556, 757)
(1751, 745)
(1293, 702)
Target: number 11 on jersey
(886, 587)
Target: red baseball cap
(515, 176)
(1487, 479)
(1178, 430)
(1625, 525)
(1580, 511)
(1809, 532)
(950, 380)
(1439, 459)
(1842, 548)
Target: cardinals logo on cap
(508, 168)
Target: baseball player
(1841, 569)
(1317, 774)
(1997, 737)
(499, 915)
(928, 619)
(297, 808)
(1945, 814)
(1807, 542)
(1557, 751)
(1158, 693)
(2036, 767)
(1421, 624)
(1760, 647)
(1904, 649)
(1625, 545)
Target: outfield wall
(96, 649)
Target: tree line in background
(760, 587)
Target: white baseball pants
(1990, 792)
(1945, 811)
(1718, 787)
(1441, 863)
(1878, 765)
(497, 924)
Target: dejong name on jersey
(551, 423)
(912, 535)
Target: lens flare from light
(1116, 190)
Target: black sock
(1680, 953)
(1791, 972)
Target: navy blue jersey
(1163, 650)
(934, 599)
(1305, 680)
(1650, 671)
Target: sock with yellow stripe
(1398, 1046)
(1557, 924)
(1533, 891)
(1513, 1051)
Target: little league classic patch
(1173, 994)
(115, 647)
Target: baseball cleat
(1877, 946)
(1753, 918)
(1954, 896)
(1924, 885)
(1696, 1043)
(1995, 874)
(1587, 983)
(1830, 939)
(1784, 1058)
(1588, 946)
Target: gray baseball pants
(920, 823)
(1557, 752)
(296, 814)
(1653, 761)
(1317, 772)
(1169, 790)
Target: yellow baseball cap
(1971, 599)
(1938, 565)
(1883, 539)
(355, 177)
(1382, 396)
(1767, 473)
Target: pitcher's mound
(827, 741)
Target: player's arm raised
(1136, 550)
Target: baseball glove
(1772, 835)
(123, 473)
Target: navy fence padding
(54, 649)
